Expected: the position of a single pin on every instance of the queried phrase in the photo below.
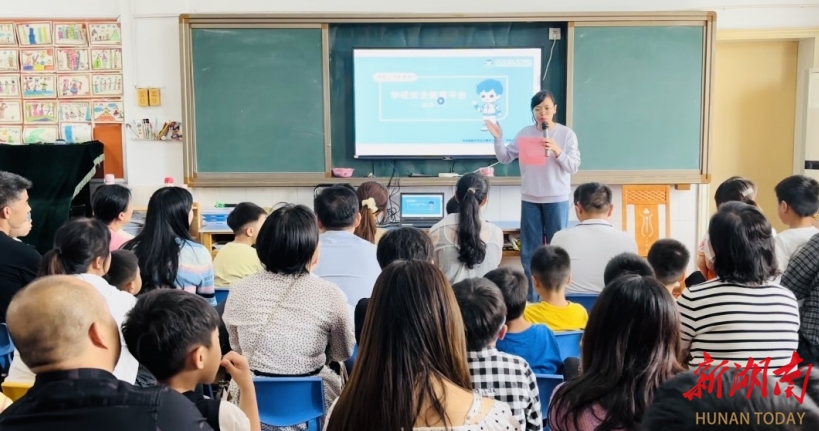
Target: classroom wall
(151, 57)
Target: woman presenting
(545, 188)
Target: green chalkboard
(345, 37)
(637, 97)
(258, 99)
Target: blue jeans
(538, 224)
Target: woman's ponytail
(471, 193)
(373, 198)
(52, 263)
(368, 226)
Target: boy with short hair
(238, 259)
(124, 272)
(551, 273)
(533, 342)
(174, 334)
(798, 198)
(669, 259)
(626, 264)
(495, 374)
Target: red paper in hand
(532, 152)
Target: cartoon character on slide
(490, 91)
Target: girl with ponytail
(466, 246)
(373, 198)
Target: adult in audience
(374, 199)
(284, 320)
(802, 278)
(81, 249)
(630, 346)
(403, 243)
(346, 260)
(112, 205)
(411, 371)
(593, 241)
(168, 255)
(743, 313)
(63, 330)
(466, 246)
(626, 264)
(19, 263)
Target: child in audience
(551, 273)
(495, 374)
(798, 198)
(175, 335)
(238, 259)
(669, 259)
(124, 272)
(626, 264)
(534, 343)
(452, 205)
(373, 198)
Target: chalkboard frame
(194, 178)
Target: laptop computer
(421, 210)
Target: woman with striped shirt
(743, 313)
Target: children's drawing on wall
(39, 86)
(107, 85)
(75, 111)
(8, 60)
(34, 33)
(9, 86)
(40, 111)
(10, 111)
(37, 60)
(11, 135)
(72, 60)
(72, 33)
(74, 86)
(76, 133)
(106, 59)
(7, 34)
(108, 111)
(489, 91)
(37, 134)
(104, 33)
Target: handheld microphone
(545, 127)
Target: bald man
(65, 334)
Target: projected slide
(433, 102)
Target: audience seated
(23, 230)
(593, 241)
(174, 334)
(495, 374)
(743, 308)
(238, 259)
(626, 264)
(403, 243)
(412, 371)
(81, 249)
(467, 246)
(630, 346)
(535, 343)
(669, 259)
(63, 330)
(551, 273)
(802, 278)
(798, 198)
(112, 205)
(286, 321)
(123, 273)
(19, 263)
(374, 199)
(168, 255)
(347, 261)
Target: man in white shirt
(346, 260)
(798, 198)
(593, 241)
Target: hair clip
(370, 204)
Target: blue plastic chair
(221, 294)
(569, 343)
(546, 384)
(350, 362)
(587, 300)
(288, 401)
(6, 349)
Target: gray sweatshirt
(550, 183)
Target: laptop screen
(422, 206)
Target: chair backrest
(288, 401)
(569, 343)
(15, 390)
(587, 300)
(351, 361)
(221, 294)
(6, 349)
(546, 384)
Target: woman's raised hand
(494, 128)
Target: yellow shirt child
(238, 259)
(551, 273)
(570, 317)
